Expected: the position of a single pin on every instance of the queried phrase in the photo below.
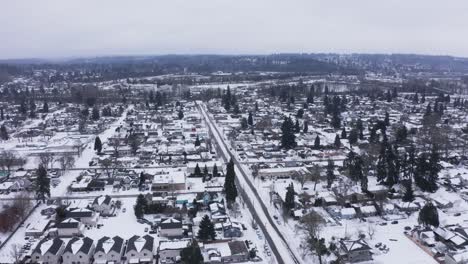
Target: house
(348, 213)
(170, 181)
(368, 210)
(78, 250)
(232, 231)
(37, 228)
(456, 257)
(85, 216)
(230, 252)
(48, 251)
(70, 227)
(140, 249)
(171, 227)
(169, 251)
(103, 205)
(355, 250)
(109, 250)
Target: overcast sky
(66, 28)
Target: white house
(169, 251)
(109, 250)
(78, 250)
(48, 251)
(140, 249)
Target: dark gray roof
(107, 200)
(85, 248)
(149, 243)
(53, 249)
(237, 247)
(117, 247)
(170, 223)
(76, 213)
(67, 224)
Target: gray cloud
(58, 28)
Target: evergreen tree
(23, 110)
(337, 141)
(288, 139)
(317, 142)
(227, 99)
(306, 127)
(4, 133)
(343, 133)
(95, 114)
(353, 137)
(360, 128)
(205, 172)
(256, 106)
(142, 179)
(336, 120)
(42, 184)
(387, 119)
(197, 171)
(300, 113)
(191, 254)
(140, 206)
(330, 173)
(181, 114)
(244, 123)
(250, 119)
(98, 145)
(2, 115)
(433, 169)
(297, 127)
(215, 171)
(197, 142)
(45, 107)
(230, 183)
(408, 196)
(207, 230)
(429, 215)
(289, 199)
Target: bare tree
(9, 159)
(115, 144)
(67, 161)
(134, 143)
(315, 174)
(312, 224)
(15, 252)
(370, 230)
(110, 166)
(47, 159)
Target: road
(276, 240)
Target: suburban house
(140, 249)
(169, 251)
(69, 227)
(78, 250)
(48, 251)
(171, 227)
(355, 250)
(169, 181)
(230, 252)
(109, 250)
(103, 205)
(83, 215)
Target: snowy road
(278, 244)
(84, 159)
